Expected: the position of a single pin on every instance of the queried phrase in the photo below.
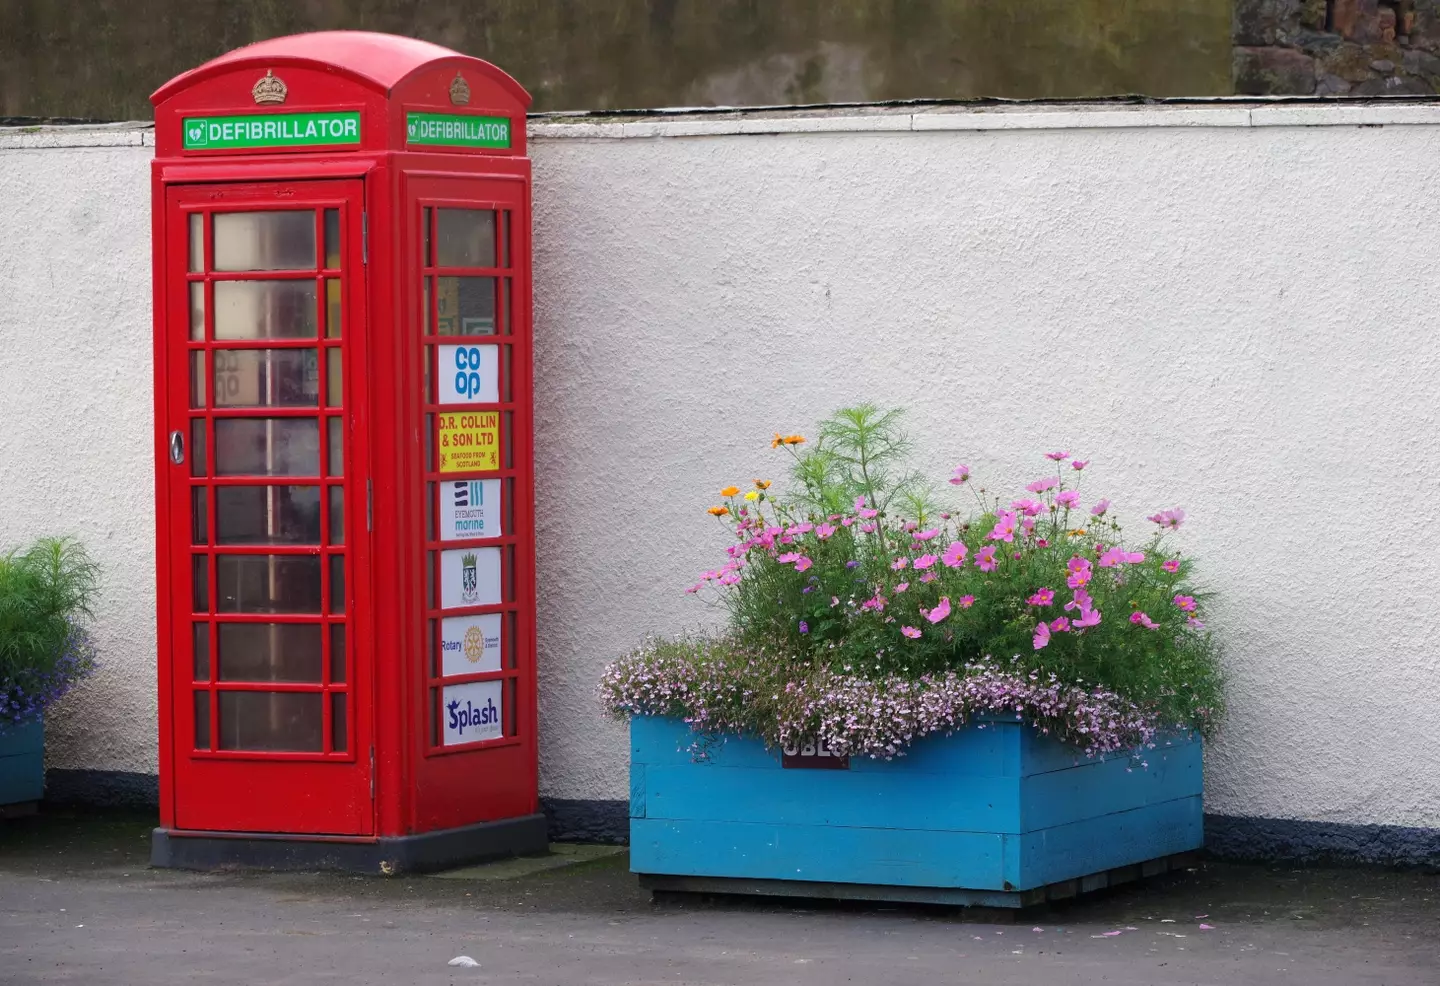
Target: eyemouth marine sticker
(470, 508)
(454, 130)
(235, 133)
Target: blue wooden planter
(994, 815)
(22, 764)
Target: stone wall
(1337, 47)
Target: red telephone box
(344, 480)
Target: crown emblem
(459, 91)
(269, 90)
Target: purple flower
(804, 627)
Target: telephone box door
(264, 387)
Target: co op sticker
(469, 441)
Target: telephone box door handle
(177, 447)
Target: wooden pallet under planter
(22, 768)
(995, 815)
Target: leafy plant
(882, 616)
(45, 594)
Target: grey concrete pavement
(77, 904)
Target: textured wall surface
(100, 59)
(1214, 311)
(75, 417)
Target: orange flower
(793, 439)
(778, 440)
(1079, 532)
(717, 511)
(730, 491)
(763, 484)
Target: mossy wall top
(100, 59)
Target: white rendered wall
(1226, 311)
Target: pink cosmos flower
(926, 535)
(1041, 543)
(1079, 464)
(1194, 624)
(966, 602)
(1099, 509)
(804, 528)
(1133, 557)
(1168, 518)
(954, 555)
(730, 580)
(834, 601)
(802, 563)
(1187, 603)
(1069, 499)
(1112, 558)
(847, 521)
(899, 563)
(1030, 508)
(962, 475)
(910, 632)
(875, 602)
(928, 577)
(824, 531)
(1042, 635)
(939, 613)
(1060, 624)
(1004, 526)
(1171, 565)
(869, 527)
(1028, 524)
(1079, 569)
(1057, 456)
(902, 587)
(1043, 597)
(693, 589)
(1141, 619)
(1018, 556)
(1081, 601)
(787, 557)
(985, 558)
(910, 525)
(925, 561)
(1088, 618)
(1041, 485)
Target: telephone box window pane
(200, 581)
(464, 238)
(332, 239)
(269, 652)
(427, 259)
(267, 514)
(267, 583)
(202, 655)
(335, 451)
(334, 378)
(504, 327)
(197, 242)
(333, 312)
(264, 240)
(197, 311)
(247, 310)
(429, 440)
(266, 378)
(202, 720)
(267, 447)
(337, 515)
(274, 722)
(339, 724)
(197, 447)
(337, 653)
(507, 641)
(465, 306)
(337, 584)
(199, 516)
(197, 379)
(505, 239)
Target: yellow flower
(793, 439)
(717, 511)
(1079, 532)
(752, 495)
(730, 491)
(763, 484)
(778, 440)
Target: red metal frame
(397, 779)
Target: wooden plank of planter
(22, 763)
